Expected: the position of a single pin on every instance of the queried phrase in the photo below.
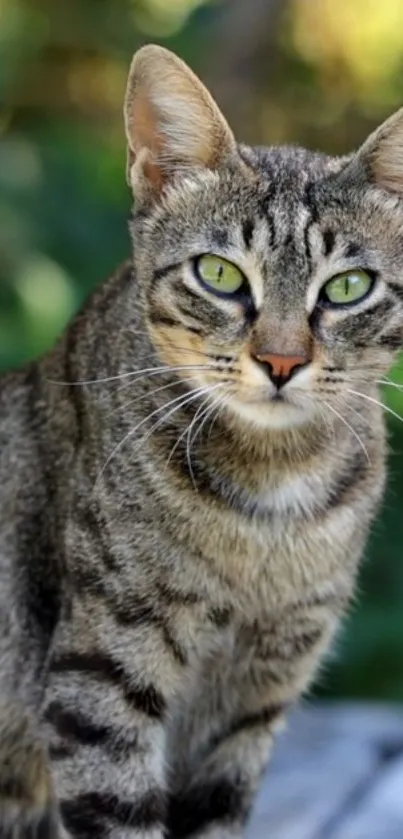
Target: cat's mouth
(275, 409)
(278, 397)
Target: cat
(189, 477)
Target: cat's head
(271, 277)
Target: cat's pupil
(346, 285)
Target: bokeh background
(317, 72)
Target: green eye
(218, 274)
(347, 288)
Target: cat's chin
(278, 415)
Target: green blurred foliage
(310, 71)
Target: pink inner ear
(143, 124)
(145, 139)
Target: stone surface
(336, 773)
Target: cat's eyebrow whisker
(350, 427)
(377, 402)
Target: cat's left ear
(172, 122)
(380, 158)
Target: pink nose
(281, 367)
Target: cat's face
(272, 277)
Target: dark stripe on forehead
(269, 196)
(328, 241)
(352, 249)
(307, 245)
(288, 242)
(220, 237)
(268, 215)
(247, 232)
(309, 201)
(272, 230)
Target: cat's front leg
(218, 800)
(104, 722)
(274, 663)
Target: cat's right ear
(172, 123)
(380, 158)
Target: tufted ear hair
(172, 122)
(380, 158)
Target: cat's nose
(281, 368)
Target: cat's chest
(284, 545)
(291, 498)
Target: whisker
(163, 419)
(149, 393)
(329, 428)
(159, 371)
(176, 444)
(152, 371)
(377, 402)
(389, 383)
(179, 399)
(353, 431)
(221, 404)
(357, 413)
(205, 415)
(188, 441)
(191, 440)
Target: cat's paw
(27, 809)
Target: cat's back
(28, 576)
(19, 427)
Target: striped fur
(176, 546)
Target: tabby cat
(188, 479)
